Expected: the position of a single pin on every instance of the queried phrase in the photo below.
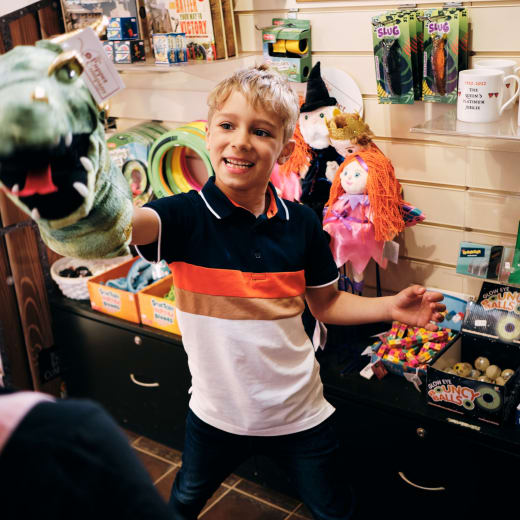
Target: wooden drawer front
(141, 380)
(382, 449)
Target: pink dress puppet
(365, 208)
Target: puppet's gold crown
(347, 126)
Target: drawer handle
(402, 475)
(147, 385)
(421, 432)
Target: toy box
(409, 350)
(109, 49)
(161, 48)
(110, 300)
(169, 48)
(177, 48)
(128, 51)
(155, 309)
(124, 28)
(480, 260)
(287, 48)
(478, 376)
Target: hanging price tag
(99, 74)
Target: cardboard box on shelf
(491, 330)
(128, 51)
(287, 47)
(123, 304)
(480, 260)
(169, 48)
(156, 310)
(122, 28)
(408, 350)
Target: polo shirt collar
(221, 207)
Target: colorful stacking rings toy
(129, 150)
(169, 174)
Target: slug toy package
(440, 55)
(392, 56)
(415, 28)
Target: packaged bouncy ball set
(418, 54)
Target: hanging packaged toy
(415, 27)
(441, 55)
(392, 55)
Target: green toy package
(441, 55)
(392, 56)
(415, 30)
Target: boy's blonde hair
(262, 86)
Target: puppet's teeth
(81, 189)
(87, 164)
(15, 189)
(68, 139)
(35, 214)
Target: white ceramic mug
(480, 95)
(507, 66)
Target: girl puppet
(365, 209)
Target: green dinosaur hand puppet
(54, 163)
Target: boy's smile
(244, 143)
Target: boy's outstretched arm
(413, 306)
(145, 226)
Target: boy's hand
(417, 308)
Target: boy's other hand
(417, 307)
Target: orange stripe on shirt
(228, 282)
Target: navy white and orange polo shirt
(240, 283)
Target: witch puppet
(365, 210)
(314, 149)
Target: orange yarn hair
(384, 193)
(301, 155)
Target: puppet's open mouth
(51, 181)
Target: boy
(244, 262)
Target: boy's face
(244, 143)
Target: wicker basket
(76, 288)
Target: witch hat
(317, 94)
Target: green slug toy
(54, 162)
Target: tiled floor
(236, 499)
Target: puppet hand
(418, 308)
(332, 168)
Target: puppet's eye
(306, 117)
(350, 150)
(322, 115)
(357, 175)
(66, 67)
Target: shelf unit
(503, 134)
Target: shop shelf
(503, 134)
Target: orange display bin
(157, 311)
(110, 300)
